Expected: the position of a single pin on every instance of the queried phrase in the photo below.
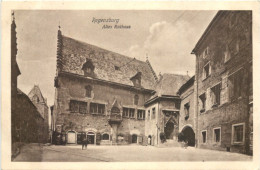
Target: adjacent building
(162, 109)
(40, 103)
(27, 124)
(223, 83)
(187, 119)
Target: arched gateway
(189, 135)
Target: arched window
(136, 98)
(105, 136)
(88, 91)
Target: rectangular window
(233, 47)
(78, 107)
(125, 112)
(96, 108)
(153, 113)
(235, 85)
(227, 55)
(141, 114)
(238, 133)
(206, 70)
(205, 53)
(148, 114)
(203, 102)
(132, 113)
(74, 106)
(215, 95)
(187, 110)
(217, 135)
(83, 107)
(204, 136)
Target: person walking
(84, 143)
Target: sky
(166, 37)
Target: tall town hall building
(110, 98)
(114, 99)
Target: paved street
(131, 153)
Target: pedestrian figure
(84, 143)
(186, 144)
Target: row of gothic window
(130, 113)
(81, 107)
(96, 108)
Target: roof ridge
(175, 74)
(103, 48)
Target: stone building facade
(99, 94)
(40, 103)
(223, 83)
(162, 110)
(187, 112)
(28, 122)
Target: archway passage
(168, 130)
(189, 135)
(134, 138)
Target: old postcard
(161, 85)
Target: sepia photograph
(131, 86)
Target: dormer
(137, 79)
(88, 68)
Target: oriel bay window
(96, 108)
(141, 114)
(78, 107)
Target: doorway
(80, 137)
(91, 137)
(149, 140)
(134, 138)
(168, 130)
(71, 137)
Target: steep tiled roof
(169, 84)
(74, 54)
(25, 97)
(186, 85)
